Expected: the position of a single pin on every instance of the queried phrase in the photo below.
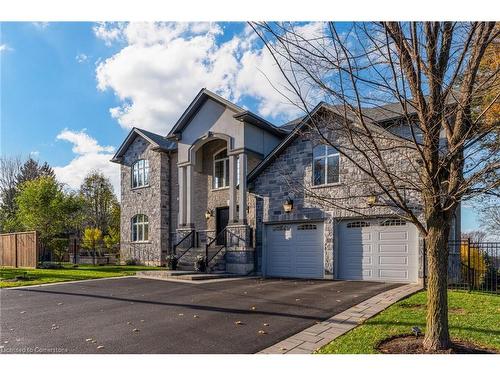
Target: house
(227, 183)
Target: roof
(195, 105)
(159, 142)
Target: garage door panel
(377, 251)
(385, 260)
(393, 236)
(393, 248)
(394, 275)
(296, 251)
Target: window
(221, 170)
(392, 222)
(140, 173)
(307, 227)
(358, 224)
(325, 165)
(140, 228)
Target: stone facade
(290, 176)
(152, 200)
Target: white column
(232, 189)
(189, 194)
(182, 196)
(243, 188)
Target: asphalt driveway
(130, 315)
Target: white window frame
(225, 169)
(140, 169)
(139, 228)
(329, 152)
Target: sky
(70, 92)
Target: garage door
(378, 250)
(294, 250)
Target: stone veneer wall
(152, 200)
(290, 175)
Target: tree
(92, 239)
(44, 206)
(430, 72)
(112, 240)
(9, 171)
(32, 170)
(475, 235)
(100, 201)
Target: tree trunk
(437, 336)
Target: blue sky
(70, 92)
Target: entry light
(288, 205)
(208, 214)
(371, 200)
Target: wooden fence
(20, 249)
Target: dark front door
(221, 220)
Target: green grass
(68, 273)
(473, 317)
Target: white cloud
(4, 48)
(162, 66)
(41, 25)
(89, 155)
(81, 58)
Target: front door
(221, 221)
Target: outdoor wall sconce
(371, 200)
(208, 214)
(288, 205)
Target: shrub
(50, 265)
(132, 262)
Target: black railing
(220, 240)
(191, 236)
(474, 266)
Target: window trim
(144, 169)
(325, 157)
(137, 224)
(225, 170)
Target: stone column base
(240, 254)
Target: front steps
(186, 263)
(185, 275)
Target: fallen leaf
(100, 347)
(283, 348)
(238, 322)
(88, 340)
(6, 342)
(22, 312)
(94, 341)
(337, 300)
(129, 323)
(181, 314)
(195, 316)
(136, 330)
(262, 332)
(1, 346)
(253, 307)
(59, 303)
(12, 329)
(266, 324)
(297, 299)
(142, 320)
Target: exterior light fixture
(208, 214)
(371, 200)
(288, 205)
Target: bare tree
(475, 235)
(429, 71)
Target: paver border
(320, 334)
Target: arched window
(326, 165)
(140, 228)
(140, 173)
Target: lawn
(473, 317)
(68, 273)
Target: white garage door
(294, 250)
(378, 250)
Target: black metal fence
(474, 266)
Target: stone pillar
(189, 195)
(232, 188)
(243, 189)
(182, 197)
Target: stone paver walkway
(320, 334)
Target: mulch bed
(414, 345)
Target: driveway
(131, 315)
